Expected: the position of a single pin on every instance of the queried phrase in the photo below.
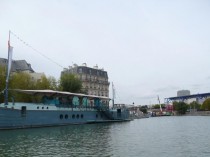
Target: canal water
(184, 136)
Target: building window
(80, 70)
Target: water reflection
(151, 137)
(74, 140)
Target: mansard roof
(17, 65)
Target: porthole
(61, 116)
(96, 115)
(66, 116)
(82, 116)
(101, 116)
(77, 116)
(42, 107)
(73, 116)
(47, 107)
(37, 107)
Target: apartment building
(94, 80)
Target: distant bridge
(183, 98)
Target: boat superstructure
(59, 108)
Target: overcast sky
(148, 47)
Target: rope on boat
(35, 50)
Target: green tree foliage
(180, 107)
(53, 83)
(157, 106)
(24, 81)
(206, 104)
(163, 106)
(2, 82)
(70, 83)
(43, 83)
(144, 109)
(21, 80)
(46, 83)
(194, 105)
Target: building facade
(21, 66)
(94, 80)
(183, 92)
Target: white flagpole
(9, 63)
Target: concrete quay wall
(198, 113)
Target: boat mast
(159, 103)
(7, 77)
(113, 94)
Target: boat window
(49, 100)
(97, 102)
(84, 101)
(73, 116)
(77, 116)
(37, 107)
(118, 112)
(42, 107)
(47, 107)
(23, 111)
(66, 116)
(82, 116)
(75, 101)
(96, 115)
(61, 116)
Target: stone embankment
(198, 113)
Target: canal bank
(198, 113)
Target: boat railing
(104, 109)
